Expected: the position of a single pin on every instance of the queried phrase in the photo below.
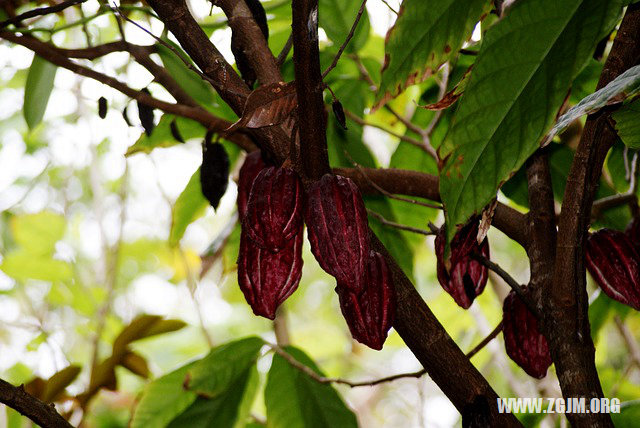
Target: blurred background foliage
(115, 271)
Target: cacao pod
(214, 172)
(251, 167)
(370, 313)
(467, 277)
(145, 113)
(102, 107)
(242, 62)
(633, 232)
(338, 230)
(524, 343)
(266, 278)
(175, 132)
(338, 112)
(274, 208)
(615, 265)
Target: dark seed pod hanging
(251, 167)
(145, 113)
(338, 112)
(125, 116)
(175, 132)
(214, 172)
(524, 342)
(243, 63)
(102, 107)
(615, 265)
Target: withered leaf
(267, 106)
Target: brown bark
(566, 302)
(41, 413)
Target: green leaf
(622, 87)
(336, 18)
(295, 400)
(190, 206)
(228, 409)
(22, 265)
(628, 124)
(38, 90)
(162, 137)
(392, 238)
(520, 79)
(57, 383)
(628, 416)
(188, 79)
(38, 233)
(425, 35)
(142, 327)
(163, 400)
(224, 366)
(136, 364)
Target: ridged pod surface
(467, 277)
(370, 314)
(266, 278)
(338, 230)
(251, 167)
(274, 208)
(524, 343)
(614, 263)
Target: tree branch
(309, 87)
(53, 55)
(41, 413)
(247, 32)
(386, 222)
(40, 12)
(566, 300)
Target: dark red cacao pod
(251, 167)
(615, 265)
(214, 172)
(266, 278)
(274, 208)
(524, 343)
(338, 230)
(467, 277)
(633, 232)
(370, 314)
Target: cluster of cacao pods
(613, 259)
(524, 342)
(466, 277)
(273, 207)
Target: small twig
(388, 194)
(517, 288)
(416, 129)
(389, 6)
(631, 343)
(284, 53)
(39, 12)
(496, 331)
(386, 222)
(347, 40)
(404, 138)
(417, 374)
(609, 202)
(85, 28)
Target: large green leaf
(188, 80)
(521, 77)
(294, 399)
(336, 17)
(425, 35)
(163, 400)
(628, 124)
(189, 206)
(38, 90)
(230, 408)
(224, 366)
